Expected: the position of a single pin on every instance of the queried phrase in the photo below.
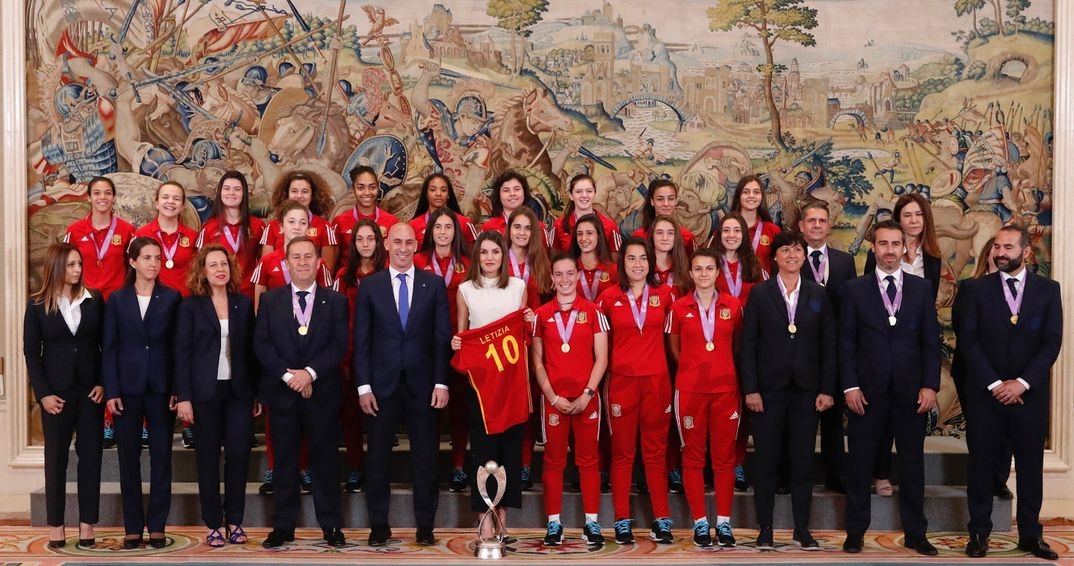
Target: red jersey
(730, 269)
(593, 282)
(533, 296)
(246, 253)
(667, 280)
(105, 270)
(452, 271)
(633, 351)
(499, 224)
(320, 231)
(419, 224)
(763, 249)
(687, 238)
(569, 371)
(352, 297)
(701, 370)
(178, 248)
(562, 236)
(344, 224)
(272, 272)
(494, 357)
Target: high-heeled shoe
(132, 543)
(158, 540)
(57, 543)
(89, 542)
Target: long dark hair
(650, 278)
(458, 243)
(747, 260)
(648, 211)
(354, 259)
(423, 198)
(220, 213)
(602, 251)
(680, 260)
(473, 274)
(497, 206)
(568, 212)
(54, 276)
(929, 243)
(133, 251)
(736, 202)
(536, 253)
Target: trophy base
(490, 550)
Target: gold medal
(565, 348)
(792, 328)
(303, 330)
(169, 264)
(1014, 319)
(100, 263)
(710, 346)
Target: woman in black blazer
(139, 334)
(61, 341)
(214, 385)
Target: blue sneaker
(188, 437)
(266, 485)
(675, 481)
(624, 532)
(459, 481)
(724, 537)
(702, 534)
(109, 435)
(355, 482)
(145, 437)
(591, 534)
(306, 482)
(527, 480)
(661, 531)
(740, 479)
(554, 535)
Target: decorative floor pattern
(27, 545)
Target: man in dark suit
(831, 268)
(300, 338)
(402, 337)
(889, 366)
(1010, 329)
(787, 365)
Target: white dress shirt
(71, 311)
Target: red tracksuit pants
(639, 406)
(711, 417)
(559, 430)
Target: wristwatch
(589, 391)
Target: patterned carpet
(26, 545)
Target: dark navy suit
(890, 364)
(279, 347)
(996, 350)
(137, 368)
(222, 409)
(402, 365)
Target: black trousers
(789, 419)
(422, 430)
(988, 422)
(832, 444)
(318, 419)
(505, 449)
(225, 421)
(153, 408)
(82, 417)
(864, 436)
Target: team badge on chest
(725, 313)
(654, 301)
(582, 318)
(117, 240)
(184, 242)
(604, 278)
(312, 232)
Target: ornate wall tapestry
(852, 102)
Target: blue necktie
(892, 291)
(302, 299)
(404, 301)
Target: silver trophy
(491, 548)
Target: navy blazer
(138, 352)
(877, 357)
(279, 346)
(841, 269)
(197, 348)
(770, 359)
(994, 349)
(59, 362)
(931, 265)
(385, 352)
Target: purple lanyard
(1013, 303)
(102, 250)
(757, 234)
(235, 242)
(565, 331)
(591, 292)
(169, 252)
(286, 272)
(376, 215)
(639, 315)
(523, 274)
(889, 305)
(450, 268)
(708, 317)
(792, 304)
(733, 284)
(303, 316)
(818, 272)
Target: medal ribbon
(891, 306)
(708, 317)
(376, 215)
(169, 252)
(302, 316)
(757, 235)
(639, 316)
(1013, 303)
(733, 284)
(445, 275)
(103, 249)
(565, 331)
(286, 272)
(591, 292)
(235, 242)
(524, 274)
(792, 304)
(818, 270)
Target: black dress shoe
(278, 538)
(921, 545)
(424, 536)
(158, 542)
(1038, 548)
(764, 539)
(806, 540)
(378, 536)
(132, 543)
(853, 544)
(977, 547)
(334, 537)
(1003, 492)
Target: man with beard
(889, 367)
(1010, 330)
